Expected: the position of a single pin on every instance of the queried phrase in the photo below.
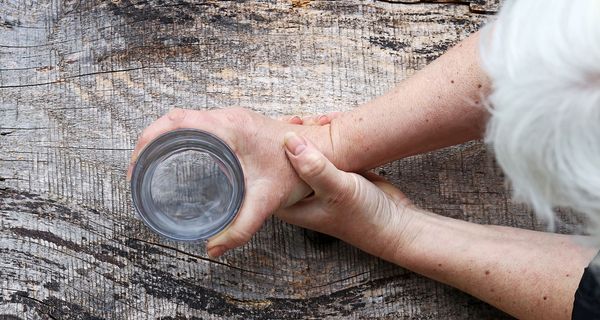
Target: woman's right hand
(271, 182)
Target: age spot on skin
(479, 86)
(487, 272)
(439, 264)
(451, 81)
(545, 298)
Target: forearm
(437, 107)
(525, 273)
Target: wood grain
(79, 80)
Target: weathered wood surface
(79, 80)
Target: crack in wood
(198, 257)
(475, 6)
(70, 78)
(51, 237)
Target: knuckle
(238, 117)
(236, 113)
(312, 165)
(176, 114)
(238, 237)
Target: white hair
(543, 58)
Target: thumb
(312, 166)
(249, 219)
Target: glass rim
(180, 140)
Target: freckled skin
(421, 114)
(427, 112)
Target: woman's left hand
(363, 210)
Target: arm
(439, 106)
(528, 274)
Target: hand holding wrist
(372, 215)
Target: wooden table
(79, 80)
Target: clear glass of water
(187, 185)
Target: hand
(271, 182)
(371, 215)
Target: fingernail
(323, 119)
(216, 251)
(294, 143)
(295, 118)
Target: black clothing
(587, 296)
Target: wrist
(325, 141)
(346, 151)
(320, 138)
(400, 237)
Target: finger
(380, 182)
(250, 218)
(310, 120)
(295, 120)
(374, 177)
(326, 119)
(178, 119)
(307, 214)
(323, 120)
(313, 167)
(385, 186)
(317, 120)
(334, 115)
(298, 193)
(291, 119)
(164, 124)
